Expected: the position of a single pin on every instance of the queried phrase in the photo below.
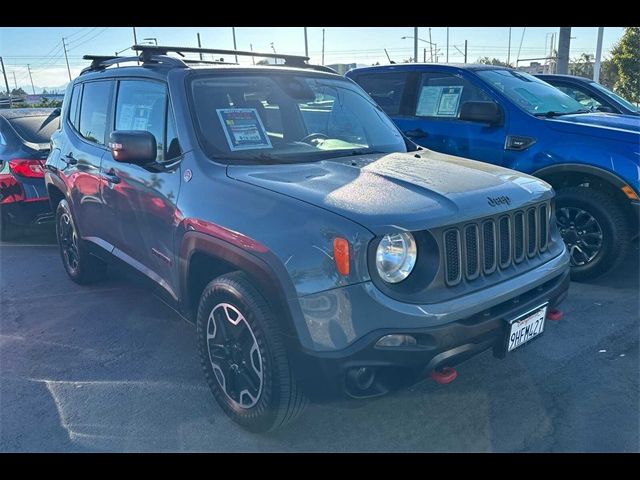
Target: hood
(604, 125)
(388, 191)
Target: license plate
(526, 327)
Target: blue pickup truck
(510, 118)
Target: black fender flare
(581, 168)
(268, 273)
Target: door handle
(417, 133)
(69, 159)
(111, 176)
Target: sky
(42, 48)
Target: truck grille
(494, 243)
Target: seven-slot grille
(495, 243)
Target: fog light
(396, 340)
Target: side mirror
(605, 109)
(133, 146)
(483, 112)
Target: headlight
(396, 256)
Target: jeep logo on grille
(501, 200)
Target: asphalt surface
(111, 368)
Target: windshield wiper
(552, 114)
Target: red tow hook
(555, 315)
(444, 375)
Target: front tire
(595, 230)
(81, 266)
(243, 356)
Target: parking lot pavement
(111, 368)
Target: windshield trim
(311, 157)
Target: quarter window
(141, 105)
(386, 89)
(442, 94)
(94, 111)
(72, 113)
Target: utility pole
(447, 44)
(596, 67)
(6, 82)
(563, 50)
(509, 49)
(233, 30)
(430, 47)
(253, 59)
(424, 55)
(465, 51)
(15, 84)
(415, 44)
(32, 87)
(323, 46)
(306, 43)
(64, 47)
(199, 44)
(388, 57)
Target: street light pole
(509, 49)
(447, 44)
(306, 43)
(323, 46)
(415, 44)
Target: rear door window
(94, 111)
(386, 89)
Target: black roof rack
(289, 60)
(159, 54)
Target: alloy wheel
(234, 355)
(582, 233)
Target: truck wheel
(81, 266)
(243, 356)
(594, 229)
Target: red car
(24, 145)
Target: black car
(24, 145)
(591, 94)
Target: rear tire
(243, 356)
(81, 266)
(592, 222)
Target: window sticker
(428, 101)
(449, 101)
(243, 128)
(438, 101)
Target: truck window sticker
(439, 101)
(243, 129)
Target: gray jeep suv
(319, 252)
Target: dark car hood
(399, 190)
(605, 125)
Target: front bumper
(454, 333)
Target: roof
(420, 66)
(159, 72)
(25, 112)
(567, 77)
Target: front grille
(487, 245)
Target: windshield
(287, 118)
(530, 93)
(615, 97)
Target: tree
(493, 61)
(582, 66)
(18, 91)
(626, 56)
